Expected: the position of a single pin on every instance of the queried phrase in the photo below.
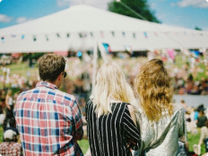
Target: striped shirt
(49, 121)
(111, 134)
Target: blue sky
(183, 13)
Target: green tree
(129, 7)
(197, 28)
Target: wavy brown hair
(152, 85)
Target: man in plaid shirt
(49, 120)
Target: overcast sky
(183, 13)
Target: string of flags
(81, 35)
(107, 48)
(91, 34)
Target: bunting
(2, 39)
(145, 34)
(47, 39)
(67, 35)
(107, 48)
(134, 35)
(128, 49)
(34, 38)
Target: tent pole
(95, 55)
(103, 53)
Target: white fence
(192, 100)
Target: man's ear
(59, 77)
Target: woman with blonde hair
(109, 114)
(161, 122)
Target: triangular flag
(107, 47)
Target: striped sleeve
(131, 131)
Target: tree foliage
(141, 7)
(197, 28)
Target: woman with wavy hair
(109, 114)
(161, 122)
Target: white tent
(80, 27)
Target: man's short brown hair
(50, 66)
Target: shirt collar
(46, 84)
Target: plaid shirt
(10, 149)
(49, 121)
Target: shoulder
(131, 109)
(65, 95)
(66, 98)
(25, 93)
(125, 108)
(120, 105)
(17, 144)
(178, 108)
(89, 103)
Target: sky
(182, 13)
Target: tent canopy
(79, 27)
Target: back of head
(50, 66)
(9, 92)
(182, 101)
(110, 85)
(200, 107)
(10, 135)
(152, 84)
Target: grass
(180, 61)
(21, 68)
(84, 144)
(194, 139)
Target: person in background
(9, 104)
(12, 126)
(49, 120)
(204, 136)
(2, 114)
(110, 115)
(193, 114)
(184, 105)
(162, 123)
(191, 121)
(200, 122)
(10, 147)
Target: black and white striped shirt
(111, 134)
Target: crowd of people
(50, 121)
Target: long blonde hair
(110, 85)
(152, 85)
